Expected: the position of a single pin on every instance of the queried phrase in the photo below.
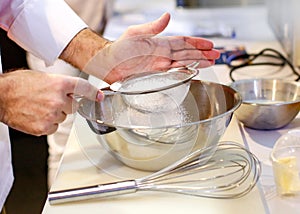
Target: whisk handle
(90, 192)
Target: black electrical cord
(248, 60)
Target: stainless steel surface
(267, 103)
(231, 172)
(152, 141)
(104, 190)
(179, 76)
(157, 90)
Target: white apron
(6, 172)
(32, 25)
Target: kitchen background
(30, 153)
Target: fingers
(150, 28)
(48, 125)
(203, 63)
(47, 102)
(205, 58)
(56, 118)
(61, 116)
(73, 87)
(184, 42)
(184, 50)
(161, 24)
(195, 55)
(199, 43)
(79, 87)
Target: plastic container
(285, 158)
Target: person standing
(95, 13)
(29, 106)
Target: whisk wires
(231, 172)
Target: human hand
(140, 50)
(35, 103)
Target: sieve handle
(90, 192)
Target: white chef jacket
(44, 28)
(95, 13)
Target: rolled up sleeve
(44, 27)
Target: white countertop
(261, 144)
(81, 167)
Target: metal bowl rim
(282, 103)
(238, 101)
(265, 80)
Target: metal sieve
(155, 91)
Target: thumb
(84, 89)
(153, 28)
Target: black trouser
(29, 153)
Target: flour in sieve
(163, 100)
(153, 102)
(155, 109)
(147, 83)
(133, 117)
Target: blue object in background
(227, 52)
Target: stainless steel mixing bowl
(267, 103)
(152, 141)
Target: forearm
(5, 85)
(83, 47)
(29, 24)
